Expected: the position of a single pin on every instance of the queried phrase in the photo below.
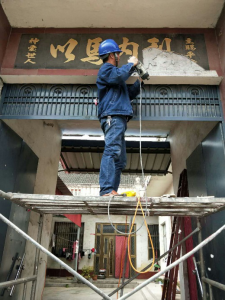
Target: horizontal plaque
(80, 51)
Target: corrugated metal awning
(85, 156)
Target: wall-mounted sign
(80, 51)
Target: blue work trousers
(114, 155)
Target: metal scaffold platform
(96, 205)
(156, 206)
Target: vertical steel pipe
(77, 254)
(37, 255)
(210, 292)
(201, 258)
(24, 291)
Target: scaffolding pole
(37, 257)
(93, 287)
(214, 283)
(184, 257)
(156, 260)
(201, 259)
(65, 266)
(17, 281)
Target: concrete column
(184, 138)
(44, 138)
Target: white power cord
(143, 178)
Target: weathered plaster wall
(45, 141)
(176, 68)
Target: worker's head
(109, 51)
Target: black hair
(105, 57)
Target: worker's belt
(122, 116)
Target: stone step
(65, 280)
(99, 283)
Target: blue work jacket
(113, 93)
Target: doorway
(109, 247)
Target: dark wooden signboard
(80, 51)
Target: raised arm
(113, 75)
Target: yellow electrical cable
(149, 235)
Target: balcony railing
(159, 102)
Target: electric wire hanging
(138, 204)
(143, 178)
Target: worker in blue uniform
(114, 111)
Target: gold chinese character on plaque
(92, 51)
(34, 41)
(32, 48)
(189, 41)
(190, 47)
(67, 48)
(125, 44)
(190, 54)
(30, 56)
(155, 44)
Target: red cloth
(76, 219)
(121, 241)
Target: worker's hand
(133, 60)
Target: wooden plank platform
(96, 205)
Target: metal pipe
(196, 271)
(201, 258)
(37, 256)
(214, 283)
(5, 195)
(24, 291)
(148, 266)
(76, 254)
(184, 257)
(17, 281)
(210, 292)
(65, 266)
